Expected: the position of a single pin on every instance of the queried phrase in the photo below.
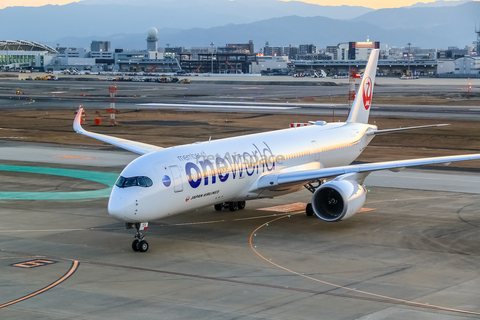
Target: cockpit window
(148, 181)
(120, 181)
(123, 182)
(130, 182)
(141, 182)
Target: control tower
(152, 39)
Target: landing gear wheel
(135, 245)
(241, 205)
(218, 207)
(143, 246)
(139, 244)
(233, 206)
(309, 210)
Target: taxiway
(414, 253)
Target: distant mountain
(456, 25)
(136, 41)
(248, 10)
(423, 17)
(293, 30)
(439, 3)
(100, 19)
(199, 22)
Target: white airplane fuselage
(201, 174)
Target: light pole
(408, 63)
(212, 54)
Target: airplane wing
(136, 147)
(377, 132)
(291, 178)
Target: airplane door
(316, 151)
(177, 178)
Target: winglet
(77, 122)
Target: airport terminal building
(237, 59)
(21, 54)
(25, 54)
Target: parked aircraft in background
(228, 172)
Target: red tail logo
(367, 92)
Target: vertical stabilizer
(363, 99)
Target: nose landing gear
(139, 244)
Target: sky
(375, 4)
(31, 3)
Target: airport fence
(458, 76)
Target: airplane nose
(117, 207)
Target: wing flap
(133, 146)
(305, 176)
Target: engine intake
(338, 200)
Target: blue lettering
(248, 162)
(220, 167)
(223, 166)
(236, 164)
(269, 157)
(188, 169)
(207, 164)
(261, 158)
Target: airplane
(228, 172)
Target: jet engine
(338, 200)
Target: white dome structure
(152, 39)
(152, 32)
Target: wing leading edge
(133, 146)
(290, 178)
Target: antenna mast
(477, 31)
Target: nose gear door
(177, 178)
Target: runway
(452, 102)
(413, 254)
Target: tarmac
(412, 253)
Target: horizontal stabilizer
(377, 132)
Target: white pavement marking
(181, 105)
(277, 103)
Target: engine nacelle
(338, 200)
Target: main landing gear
(233, 206)
(312, 186)
(139, 244)
(309, 210)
